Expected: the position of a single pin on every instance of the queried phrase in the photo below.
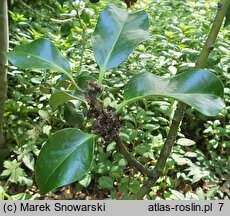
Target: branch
(131, 160)
(165, 152)
(210, 42)
(179, 112)
(4, 43)
(107, 125)
(39, 14)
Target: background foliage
(199, 166)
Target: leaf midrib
(165, 95)
(114, 44)
(125, 102)
(45, 60)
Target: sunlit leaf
(176, 195)
(185, 142)
(116, 34)
(198, 88)
(39, 54)
(197, 173)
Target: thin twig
(131, 160)
(210, 42)
(83, 38)
(107, 126)
(30, 9)
(178, 116)
(165, 152)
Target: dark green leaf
(105, 182)
(61, 2)
(39, 54)
(134, 186)
(65, 158)
(3, 154)
(227, 16)
(197, 88)
(116, 34)
(94, 1)
(85, 16)
(72, 116)
(116, 172)
(60, 97)
(124, 185)
(66, 29)
(81, 81)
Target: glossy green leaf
(39, 54)
(116, 34)
(60, 97)
(198, 88)
(65, 158)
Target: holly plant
(67, 155)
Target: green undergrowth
(199, 165)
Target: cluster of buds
(106, 124)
